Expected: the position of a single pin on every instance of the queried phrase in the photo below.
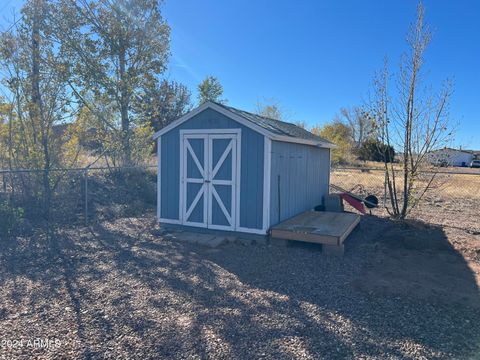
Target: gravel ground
(127, 289)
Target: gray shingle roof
(276, 126)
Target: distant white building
(451, 157)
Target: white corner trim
(267, 166)
(159, 178)
(329, 169)
(238, 172)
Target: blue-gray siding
(300, 175)
(252, 165)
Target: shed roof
(277, 126)
(471, 152)
(274, 129)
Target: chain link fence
(86, 195)
(452, 199)
(78, 196)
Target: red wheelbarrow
(357, 202)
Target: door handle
(207, 181)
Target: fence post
(86, 195)
(385, 190)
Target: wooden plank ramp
(320, 227)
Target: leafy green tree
(165, 103)
(37, 98)
(375, 150)
(340, 134)
(118, 50)
(210, 89)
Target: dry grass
(87, 159)
(444, 184)
(445, 187)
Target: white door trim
(209, 131)
(208, 174)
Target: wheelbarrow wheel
(371, 201)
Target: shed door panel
(195, 158)
(222, 152)
(221, 199)
(209, 180)
(195, 188)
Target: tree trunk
(36, 113)
(124, 105)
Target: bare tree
(271, 108)
(359, 121)
(413, 120)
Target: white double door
(209, 180)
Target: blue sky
(315, 57)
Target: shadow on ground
(128, 289)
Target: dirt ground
(128, 289)
(450, 209)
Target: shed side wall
(300, 176)
(252, 163)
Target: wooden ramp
(327, 228)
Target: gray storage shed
(227, 169)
